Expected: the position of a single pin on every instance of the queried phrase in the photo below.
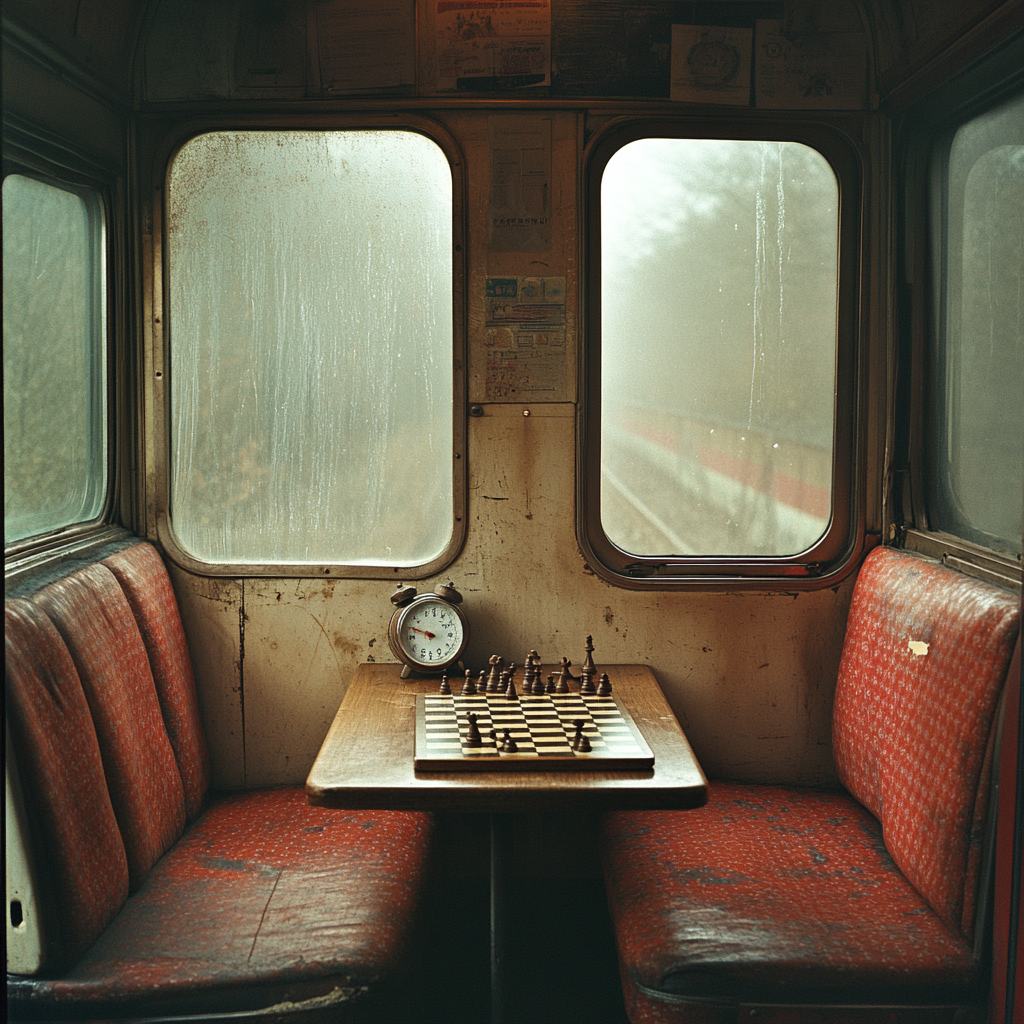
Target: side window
(714, 398)
(975, 482)
(55, 427)
(311, 341)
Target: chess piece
(578, 738)
(532, 672)
(509, 745)
(564, 675)
(468, 687)
(510, 690)
(538, 685)
(550, 688)
(473, 737)
(494, 676)
(445, 688)
(584, 745)
(604, 686)
(589, 669)
(481, 683)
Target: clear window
(976, 482)
(55, 437)
(311, 339)
(719, 265)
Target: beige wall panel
(303, 641)
(211, 611)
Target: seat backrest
(75, 837)
(920, 678)
(144, 580)
(106, 734)
(95, 621)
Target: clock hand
(428, 635)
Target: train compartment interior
(642, 324)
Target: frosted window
(55, 457)
(719, 263)
(977, 481)
(311, 347)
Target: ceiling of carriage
(135, 52)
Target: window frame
(836, 553)
(929, 125)
(37, 154)
(160, 326)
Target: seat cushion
(264, 900)
(923, 667)
(773, 894)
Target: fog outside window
(55, 443)
(719, 264)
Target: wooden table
(366, 762)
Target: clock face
(431, 632)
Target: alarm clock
(427, 633)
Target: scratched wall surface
(750, 676)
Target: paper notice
(495, 44)
(520, 200)
(525, 339)
(711, 65)
(824, 71)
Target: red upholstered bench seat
(798, 904)
(261, 902)
(777, 895)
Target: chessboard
(544, 730)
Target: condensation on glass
(311, 347)
(55, 445)
(976, 486)
(719, 264)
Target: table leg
(501, 858)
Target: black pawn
(473, 737)
(579, 737)
(584, 745)
(564, 675)
(550, 688)
(468, 687)
(604, 686)
(494, 676)
(561, 684)
(481, 683)
(445, 689)
(509, 745)
(510, 690)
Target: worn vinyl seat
(160, 900)
(797, 904)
